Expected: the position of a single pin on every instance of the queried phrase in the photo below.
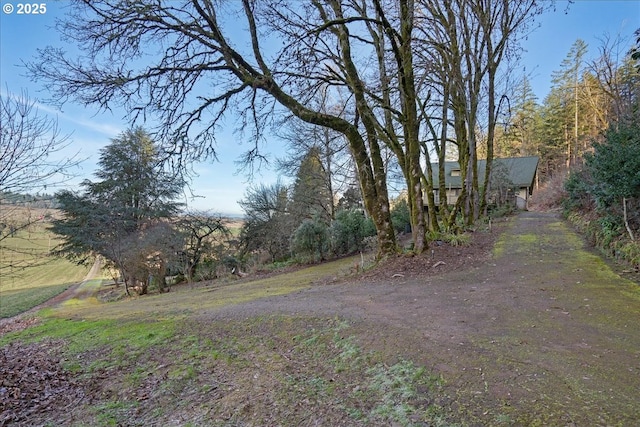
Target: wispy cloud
(91, 125)
(103, 128)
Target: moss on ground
(544, 335)
(554, 362)
(261, 371)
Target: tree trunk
(411, 128)
(374, 189)
(442, 153)
(125, 280)
(191, 272)
(626, 219)
(431, 202)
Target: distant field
(29, 275)
(234, 225)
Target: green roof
(521, 171)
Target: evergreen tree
(132, 180)
(519, 139)
(552, 131)
(133, 194)
(351, 199)
(568, 83)
(615, 167)
(311, 196)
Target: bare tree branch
(31, 147)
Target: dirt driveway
(541, 332)
(535, 330)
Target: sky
(220, 185)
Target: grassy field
(274, 370)
(29, 275)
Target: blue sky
(219, 184)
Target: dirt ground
(540, 328)
(525, 325)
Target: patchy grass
(276, 370)
(544, 335)
(185, 300)
(399, 385)
(89, 335)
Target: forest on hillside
(587, 134)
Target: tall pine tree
(567, 82)
(311, 197)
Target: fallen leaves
(32, 380)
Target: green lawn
(29, 275)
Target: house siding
(522, 173)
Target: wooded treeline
(603, 187)
(593, 89)
(400, 82)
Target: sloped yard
(536, 330)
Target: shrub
(603, 198)
(207, 270)
(578, 186)
(499, 211)
(456, 239)
(608, 228)
(349, 230)
(401, 216)
(630, 252)
(310, 241)
(615, 166)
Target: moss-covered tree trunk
(411, 125)
(373, 182)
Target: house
(513, 178)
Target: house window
(455, 172)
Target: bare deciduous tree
(267, 226)
(29, 144)
(31, 160)
(146, 255)
(199, 70)
(198, 229)
(206, 59)
(465, 43)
